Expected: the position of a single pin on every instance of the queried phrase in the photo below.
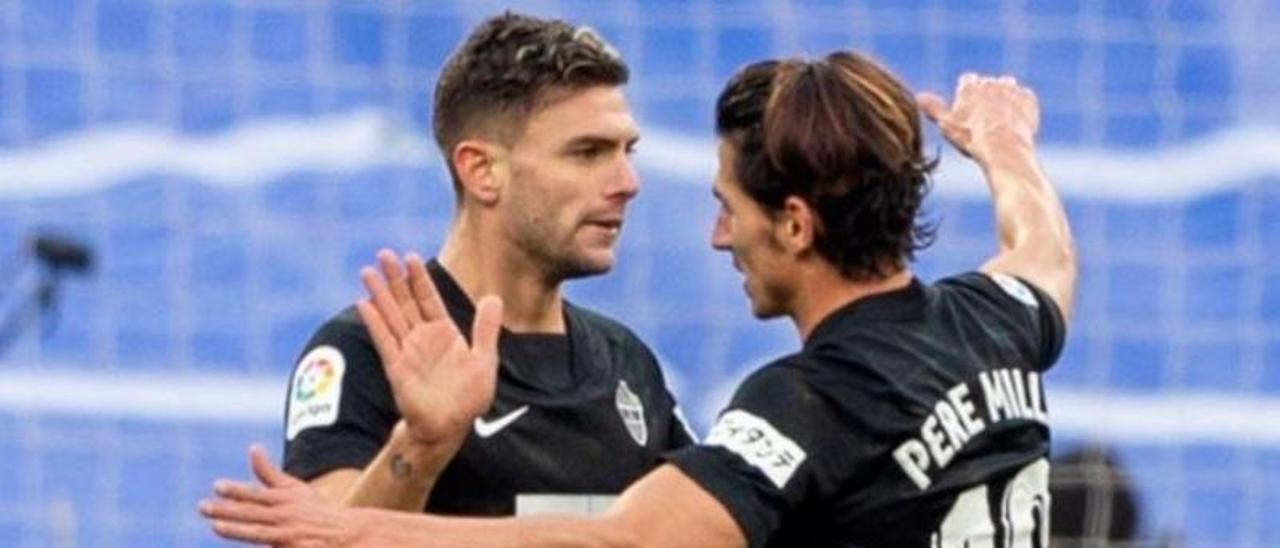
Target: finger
(1027, 94)
(231, 510)
(933, 106)
(968, 83)
(957, 135)
(398, 282)
(486, 327)
(952, 130)
(384, 302)
(424, 290)
(387, 345)
(1033, 105)
(244, 492)
(248, 532)
(267, 472)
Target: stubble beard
(555, 257)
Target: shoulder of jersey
(1015, 288)
(346, 323)
(349, 318)
(787, 371)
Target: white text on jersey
(1008, 394)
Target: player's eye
(724, 207)
(588, 153)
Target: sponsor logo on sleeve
(759, 443)
(316, 392)
(1015, 289)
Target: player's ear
(796, 225)
(481, 169)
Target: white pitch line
(259, 150)
(167, 398)
(1171, 417)
(251, 153)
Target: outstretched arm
(994, 121)
(663, 509)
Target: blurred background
(188, 187)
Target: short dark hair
(508, 67)
(842, 134)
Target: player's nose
(624, 183)
(720, 232)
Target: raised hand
(988, 113)
(440, 383)
(283, 511)
(402, 294)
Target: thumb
(266, 472)
(933, 106)
(486, 327)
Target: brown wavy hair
(843, 135)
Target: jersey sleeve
(1024, 305)
(339, 409)
(769, 451)
(679, 433)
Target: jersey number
(1023, 518)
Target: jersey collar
(900, 304)
(585, 345)
(455, 300)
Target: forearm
(402, 475)
(1028, 210)
(663, 509)
(1035, 238)
(398, 529)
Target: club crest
(632, 412)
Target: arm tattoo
(400, 468)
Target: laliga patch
(759, 443)
(1015, 289)
(316, 390)
(632, 412)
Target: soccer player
(912, 415)
(531, 118)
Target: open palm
(439, 381)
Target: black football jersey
(913, 418)
(585, 413)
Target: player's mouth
(610, 226)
